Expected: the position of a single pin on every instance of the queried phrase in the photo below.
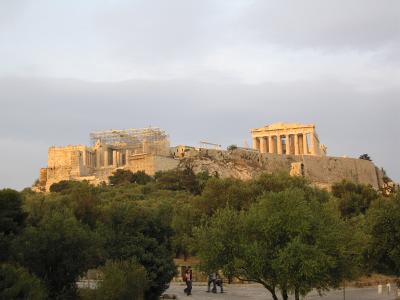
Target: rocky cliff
(322, 171)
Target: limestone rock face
(322, 171)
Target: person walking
(188, 280)
(219, 282)
(211, 279)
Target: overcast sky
(202, 70)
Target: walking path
(257, 292)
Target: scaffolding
(207, 144)
(132, 137)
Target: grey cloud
(164, 30)
(360, 24)
(114, 40)
(9, 12)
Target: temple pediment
(284, 126)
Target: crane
(217, 146)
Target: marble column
(118, 162)
(84, 157)
(312, 144)
(98, 158)
(114, 157)
(263, 145)
(296, 144)
(256, 144)
(106, 158)
(271, 148)
(305, 146)
(279, 143)
(288, 144)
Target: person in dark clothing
(211, 279)
(188, 280)
(219, 282)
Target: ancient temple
(288, 138)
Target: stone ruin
(288, 138)
(283, 147)
(145, 149)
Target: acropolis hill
(281, 147)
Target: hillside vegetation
(276, 230)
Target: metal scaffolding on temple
(130, 137)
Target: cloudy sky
(202, 70)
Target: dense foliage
(12, 219)
(122, 176)
(60, 249)
(276, 230)
(383, 221)
(17, 283)
(354, 199)
(120, 280)
(287, 240)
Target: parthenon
(288, 138)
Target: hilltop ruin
(281, 147)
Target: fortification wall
(320, 170)
(141, 162)
(43, 177)
(163, 163)
(63, 156)
(150, 163)
(328, 170)
(64, 163)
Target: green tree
(354, 199)
(120, 280)
(12, 219)
(58, 251)
(66, 186)
(202, 179)
(218, 242)
(60, 186)
(140, 177)
(365, 156)
(83, 200)
(279, 182)
(383, 220)
(286, 241)
(178, 180)
(17, 283)
(219, 193)
(121, 177)
(143, 234)
(185, 218)
(231, 147)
